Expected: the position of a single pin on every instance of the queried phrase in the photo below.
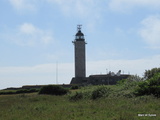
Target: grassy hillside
(118, 104)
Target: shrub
(22, 91)
(75, 87)
(53, 90)
(19, 91)
(149, 87)
(101, 92)
(121, 82)
(6, 93)
(130, 82)
(80, 95)
(150, 73)
(77, 96)
(33, 90)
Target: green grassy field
(118, 105)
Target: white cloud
(46, 73)
(150, 31)
(28, 28)
(35, 75)
(137, 66)
(79, 8)
(125, 5)
(29, 35)
(29, 5)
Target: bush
(130, 82)
(22, 91)
(101, 92)
(80, 95)
(6, 93)
(75, 87)
(53, 90)
(77, 96)
(19, 91)
(150, 73)
(149, 87)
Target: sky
(36, 38)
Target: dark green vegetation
(53, 90)
(123, 101)
(150, 73)
(5, 92)
(149, 87)
(74, 87)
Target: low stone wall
(37, 86)
(105, 79)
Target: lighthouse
(79, 52)
(79, 56)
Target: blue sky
(36, 35)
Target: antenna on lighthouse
(79, 27)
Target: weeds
(97, 92)
(110, 107)
(101, 92)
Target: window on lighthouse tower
(79, 37)
(82, 37)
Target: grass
(116, 106)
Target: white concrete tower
(80, 61)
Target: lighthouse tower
(80, 60)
